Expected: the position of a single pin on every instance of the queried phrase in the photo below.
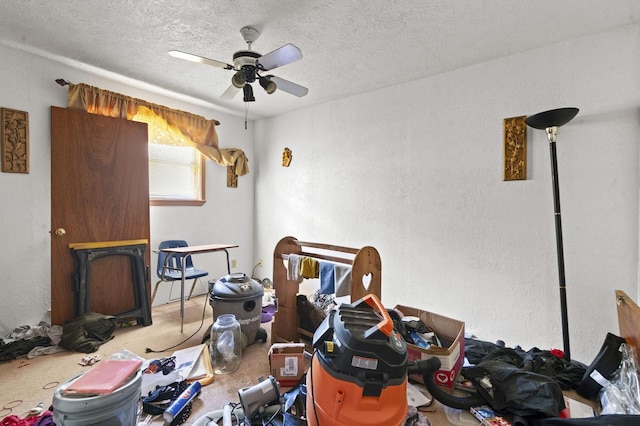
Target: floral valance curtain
(188, 128)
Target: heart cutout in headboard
(366, 281)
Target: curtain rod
(62, 82)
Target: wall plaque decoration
(232, 177)
(287, 156)
(514, 163)
(15, 141)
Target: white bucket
(119, 408)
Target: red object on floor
(557, 352)
(43, 419)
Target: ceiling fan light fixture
(248, 64)
(238, 80)
(268, 85)
(247, 91)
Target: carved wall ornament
(287, 156)
(514, 163)
(232, 177)
(15, 141)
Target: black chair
(169, 268)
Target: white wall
(227, 217)
(415, 170)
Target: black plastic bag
(310, 316)
(511, 389)
(295, 404)
(475, 350)
(607, 420)
(567, 373)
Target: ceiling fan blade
(279, 57)
(230, 93)
(199, 59)
(289, 87)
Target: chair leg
(192, 287)
(155, 290)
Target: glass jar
(225, 344)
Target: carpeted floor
(26, 383)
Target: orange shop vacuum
(358, 374)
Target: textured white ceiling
(348, 46)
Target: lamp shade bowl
(555, 117)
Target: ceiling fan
(249, 65)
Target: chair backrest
(173, 261)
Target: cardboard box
(451, 357)
(286, 362)
(577, 409)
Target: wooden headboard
(628, 319)
(364, 261)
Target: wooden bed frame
(366, 267)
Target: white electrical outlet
(259, 262)
(233, 263)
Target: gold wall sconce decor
(232, 177)
(514, 164)
(287, 156)
(15, 141)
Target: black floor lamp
(550, 121)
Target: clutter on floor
(30, 341)
(496, 384)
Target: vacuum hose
(426, 368)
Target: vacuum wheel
(261, 334)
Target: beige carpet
(25, 383)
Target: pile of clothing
(85, 333)
(30, 341)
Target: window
(176, 175)
(175, 180)
(176, 168)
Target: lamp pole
(550, 121)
